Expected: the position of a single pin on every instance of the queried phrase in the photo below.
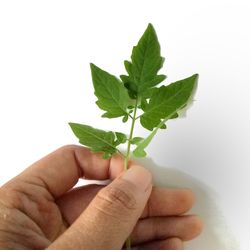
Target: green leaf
(144, 103)
(137, 89)
(132, 91)
(121, 138)
(164, 126)
(106, 155)
(168, 100)
(98, 140)
(175, 115)
(153, 82)
(112, 95)
(136, 140)
(125, 118)
(147, 94)
(145, 63)
(139, 151)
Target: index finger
(59, 171)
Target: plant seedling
(138, 91)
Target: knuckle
(68, 147)
(117, 198)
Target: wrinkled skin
(39, 205)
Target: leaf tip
(93, 67)
(196, 78)
(196, 75)
(71, 124)
(150, 26)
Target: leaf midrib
(146, 50)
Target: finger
(74, 202)
(159, 228)
(113, 212)
(162, 202)
(59, 171)
(168, 244)
(168, 201)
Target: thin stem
(130, 137)
(130, 116)
(128, 241)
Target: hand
(39, 209)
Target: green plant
(132, 93)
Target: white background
(45, 50)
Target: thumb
(111, 216)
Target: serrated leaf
(176, 115)
(136, 140)
(145, 63)
(112, 95)
(96, 139)
(168, 100)
(154, 81)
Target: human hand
(39, 209)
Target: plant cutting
(138, 97)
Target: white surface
(45, 50)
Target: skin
(39, 205)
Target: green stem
(128, 241)
(130, 137)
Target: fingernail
(139, 176)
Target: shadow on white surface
(216, 234)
